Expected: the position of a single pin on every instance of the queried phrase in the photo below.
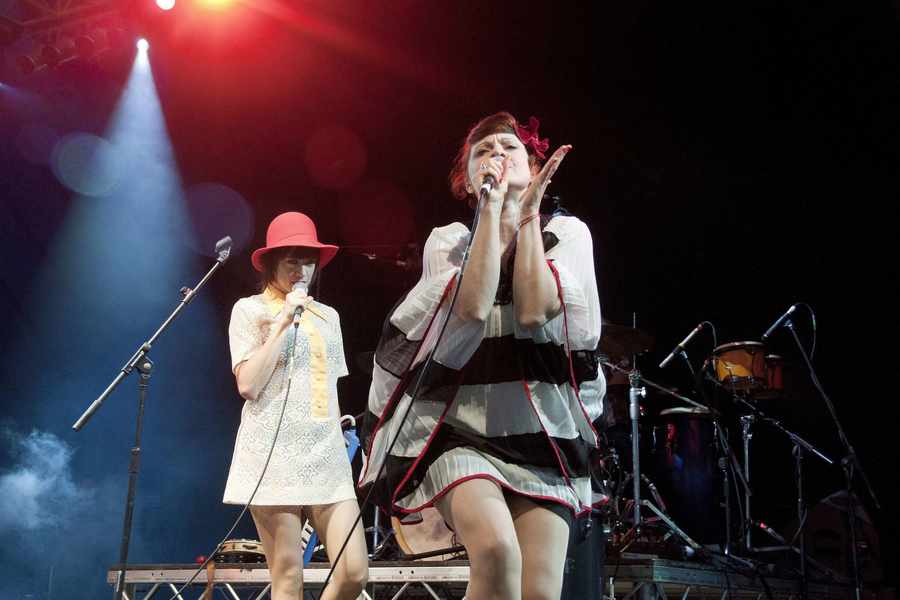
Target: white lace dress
(309, 464)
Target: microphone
(300, 286)
(779, 322)
(223, 248)
(488, 183)
(680, 347)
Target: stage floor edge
(660, 578)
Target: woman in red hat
(308, 468)
(499, 433)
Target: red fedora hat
(293, 229)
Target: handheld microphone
(680, 347)
(488, 183)
(779, 322)
(300, 286)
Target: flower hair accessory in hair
(529, 137)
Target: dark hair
(501, 122)
(271, 259)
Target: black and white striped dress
(499, 402)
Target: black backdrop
(729, 160)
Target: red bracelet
(528, 219)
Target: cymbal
(622, 341)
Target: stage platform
(639, 578)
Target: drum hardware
(799, 448)
(381, 539)
(784, 546)
(747, 435)
(738, 377)
(636, 391)
(850, 463)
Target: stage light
(143, 45)
(216, 4)
(166, 4)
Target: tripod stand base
(656, 536)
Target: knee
(357, 577)
(352, 580)
(286, 574)
(498, 552)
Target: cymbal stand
(636, 391)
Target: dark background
(729, 160)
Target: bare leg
(543, 539)
(332, 522)
(279, 530)
(477, 512)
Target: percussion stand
(800, 446)
(726, 456)
(747, 435)
(850, 462)
(636, 391)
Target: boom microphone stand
(144, 366)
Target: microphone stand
(850, 463)
(800, 446)
(144, 366)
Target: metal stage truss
(644, 578)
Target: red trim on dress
(569, 352)
(500, 484)
(401, 388)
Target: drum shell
(740, 366)
(685, 471)
(425, 535)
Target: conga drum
(426, 532)
(685, 471)
(740, 366)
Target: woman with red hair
(499, 433)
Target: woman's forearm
(482, 276)
(535, 295)
(253, 374)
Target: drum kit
(678, 450)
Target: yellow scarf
(318, 365)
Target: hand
(291, 301)
(531, 200)
(497, 169)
